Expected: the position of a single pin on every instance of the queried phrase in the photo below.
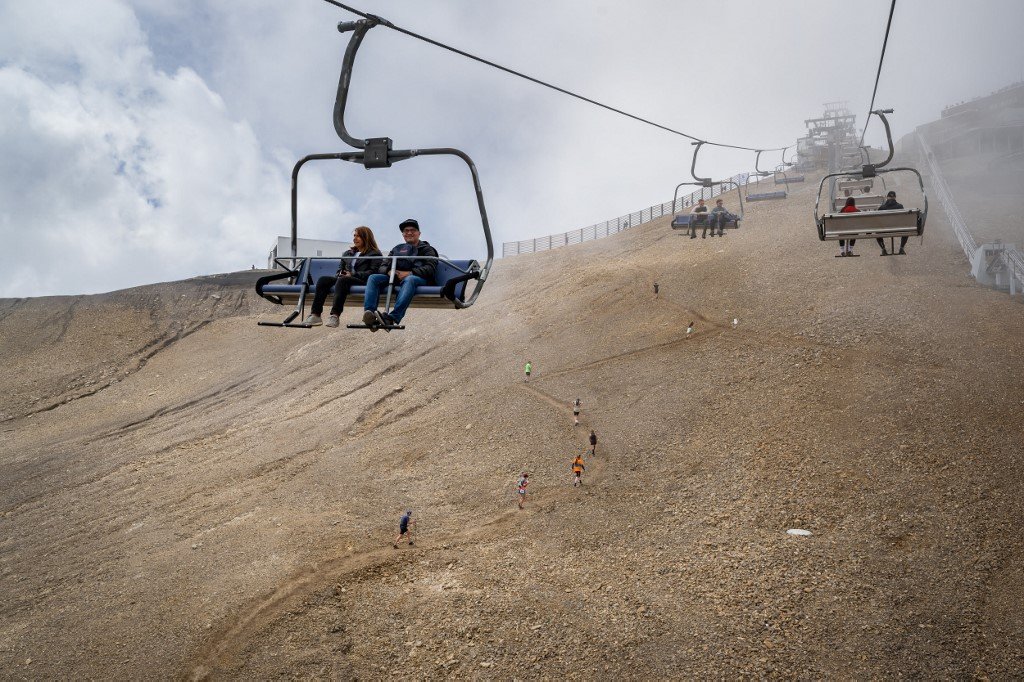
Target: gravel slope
(225, 508)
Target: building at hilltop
(993, 124)
(834, 130)
(307, 248)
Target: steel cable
(417, 36)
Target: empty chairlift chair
(784, 176)
(760, 174)
(297, 282)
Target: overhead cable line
(878, 75)
(411, 34)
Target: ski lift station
(307, 248)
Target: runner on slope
(405, 526)
(577, 471)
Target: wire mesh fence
(616, 225)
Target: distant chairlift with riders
(867, 221)
(688, 221)
(451, 276)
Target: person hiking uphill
(577, 471)
(405, 526)
(576, 411)
(528, 368)
(524, 480)
(593, 442)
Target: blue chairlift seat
(682, 222)
(452, 273)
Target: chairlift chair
(301, 273)
(763, 196)
(834, 225)
(787, 177)
(682, 221)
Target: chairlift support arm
(757, 168)
(703, 182)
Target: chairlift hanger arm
(880, 113)
(784, 163)
(703, 182)
(757, 167)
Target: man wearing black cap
(415, 267)
(891, 204)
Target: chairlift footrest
(848, 255)
(384, 327)
(296, 325)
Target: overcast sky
(146, 140)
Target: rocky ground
(188, 495)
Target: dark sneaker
(884, 252)
(395, 546)
(902, 252)
(410, 543)
(387, 321)
(371, 318)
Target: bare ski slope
(186, 495)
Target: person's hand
(402, 274)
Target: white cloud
(116, 173)
(147, 140)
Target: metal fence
(1011, 259)
(615, 225)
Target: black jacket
(420, 268)
(359, 267)
(890, 204)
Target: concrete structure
(306, 248)
(993, 124)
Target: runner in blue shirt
(405, 526)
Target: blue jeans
(405, 293)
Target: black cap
(891, 194)
(409, 221)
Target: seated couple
(362, 265)
(890, 204)
(718, 217)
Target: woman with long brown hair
(356, 267)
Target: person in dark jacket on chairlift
(890, 204)
(414, 267)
